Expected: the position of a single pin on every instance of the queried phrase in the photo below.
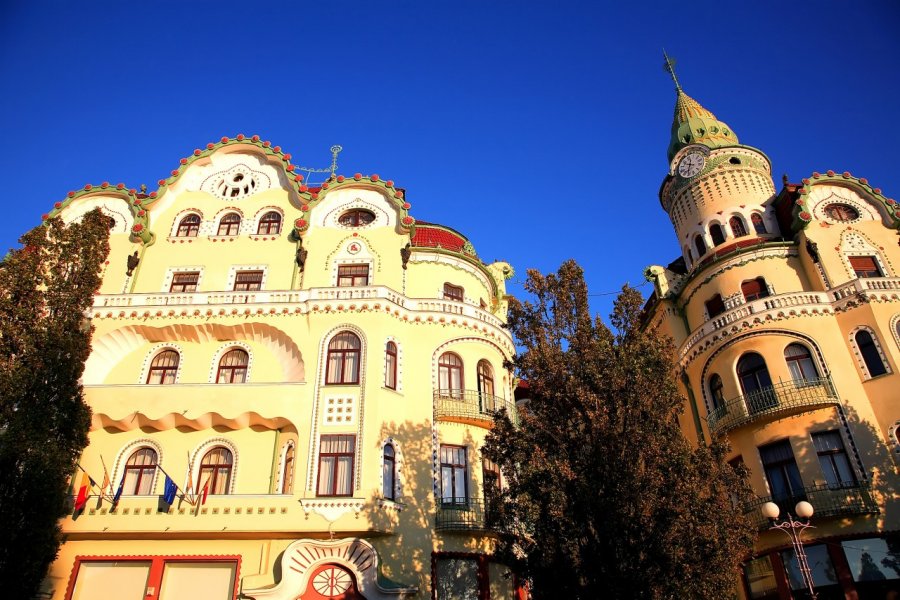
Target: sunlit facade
(313, 368)
(785, 311)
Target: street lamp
(794, 529)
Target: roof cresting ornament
(669, 67)
(335, 150)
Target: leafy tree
(605, 497)
(45, 288)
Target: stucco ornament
(304, 557)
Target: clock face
(691, 164)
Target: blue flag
(169, 491)
(118, 495)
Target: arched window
(342, 363)
(139, 471)
(287, 469)
(486, 385)
(755, 382)
(390, 365)
(389, 472)
(215, 470)
(230, 224)
(163, 368)
(715, 306)
(189, 226)
(870, 354)
(233, 366)
(356, 217)
(716, 391)
(270, 224)
(701, 245)
(450, 375)
(753, 289)
(758, 224)
(800, 363)
(737, 226)
(717, 235)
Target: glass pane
(345, 476)
(502, 582)
(459, 485)
(872, 559)
(96, 579)
(131, 479)
(145, 488)
(192, 580)
(819, 565)
(326, 474)
(760, 578)
(457, 579)
(335, 361)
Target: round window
(841, 212)
(356, 218)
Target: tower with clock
(716, 188)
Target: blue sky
(538, 129)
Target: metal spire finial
(335, 150)
(669, 67)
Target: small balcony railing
(464, 514)
(471, 406)
(845, 499)
(786, 398)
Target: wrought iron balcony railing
(846, 499)
(464, 514)
(471, 406)
(790, 397)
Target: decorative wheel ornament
(332, 581)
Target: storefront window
(820, 566)
(761, 579)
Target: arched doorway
(331, 582)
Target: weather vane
(669, 67)
(335, 150)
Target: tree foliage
(45, 288)
(605, 497)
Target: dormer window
(356, 218)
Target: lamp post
(794, 529)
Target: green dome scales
(694, 124)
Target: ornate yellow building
(315, 370)
(785, 311)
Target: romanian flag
(201, 497)
(83, 491)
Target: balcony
(847, 499)
(235, 516)
(788, 398)
(463, 514)
(471, 407)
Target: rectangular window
(248, 281)
(189, 580)
(457, 579)
(782, 474)
(865, 266)
(760, 578)
(454, 475)
(163, 577)
(822, 571)
(185, 282)
(872, 559)
(336, 465)
(390, 366)
(453, 292)
(96, 578)
(833, 459)
(353, 275)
